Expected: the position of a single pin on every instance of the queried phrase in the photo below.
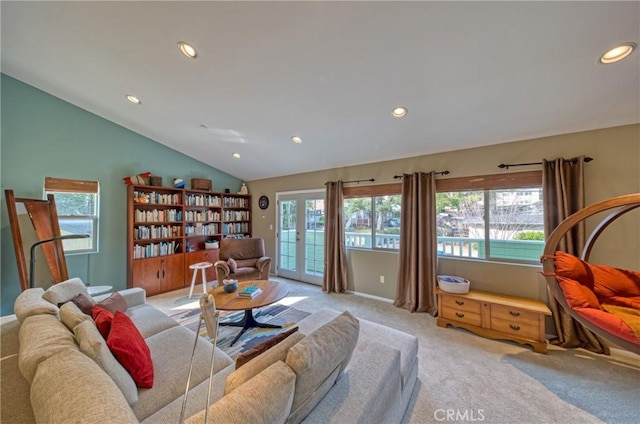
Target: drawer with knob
(461, 304)
(526, 330)
(472, 318)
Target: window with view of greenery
(372, 222)
(499, 224)
(77, 208)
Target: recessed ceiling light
(187, 50)
(236, 155)
(296, 139)
(133, 99)
(617, 53)
(399, 111)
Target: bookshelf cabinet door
(147, 274)
(172, 275)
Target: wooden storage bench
(495, 316)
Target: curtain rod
(507, 165)
(395, 177)
(370, 180)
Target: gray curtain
(563, 188)
(335, 268)
(418, 245)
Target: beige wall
(615, 171)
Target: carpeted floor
(277, 314)
(463, 377)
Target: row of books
(201, 230)
(240, 227)
(236, 215)
(250, 292)
(203, 200)
(145, 232)
(202, 216)
(155, 198)
(155, 249)
(236, 202)
(158, 215)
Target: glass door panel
(301, 236)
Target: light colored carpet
(466, 378)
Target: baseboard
(370, 296)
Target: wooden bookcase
(167, 229)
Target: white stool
(195, 267)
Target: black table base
(247, 322)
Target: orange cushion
(577, 295)
(574, 268)
(128, 346)
(629, 302)
(610, 282)
(609, 323)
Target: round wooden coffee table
(272, 291)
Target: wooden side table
(272, 291)
(495, 316)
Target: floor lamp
(32, 256)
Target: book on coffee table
(250, 292)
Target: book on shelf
(250, 292)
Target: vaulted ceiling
(470, 74)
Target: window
(372, 221)
(77, 207)
(501, 220)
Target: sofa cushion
(259, 349)
(246, 263)
(114, 303)
(261, 362)
(71, 388)
(149, 320)
(128, 346)
(577, 295)
(319, 359)
(30, 302)
(94, 346)
(103, 320)
(42, 336)
(266, 398)
(65, 291)
(170, 379)
(71, 315)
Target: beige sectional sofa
(336, 368)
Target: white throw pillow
(65, 291)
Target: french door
(301, 236)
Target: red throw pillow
(114, 303)
(103, 319)
(128, 346)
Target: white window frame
(485, 184)
(56, 186)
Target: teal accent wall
(44, 136)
